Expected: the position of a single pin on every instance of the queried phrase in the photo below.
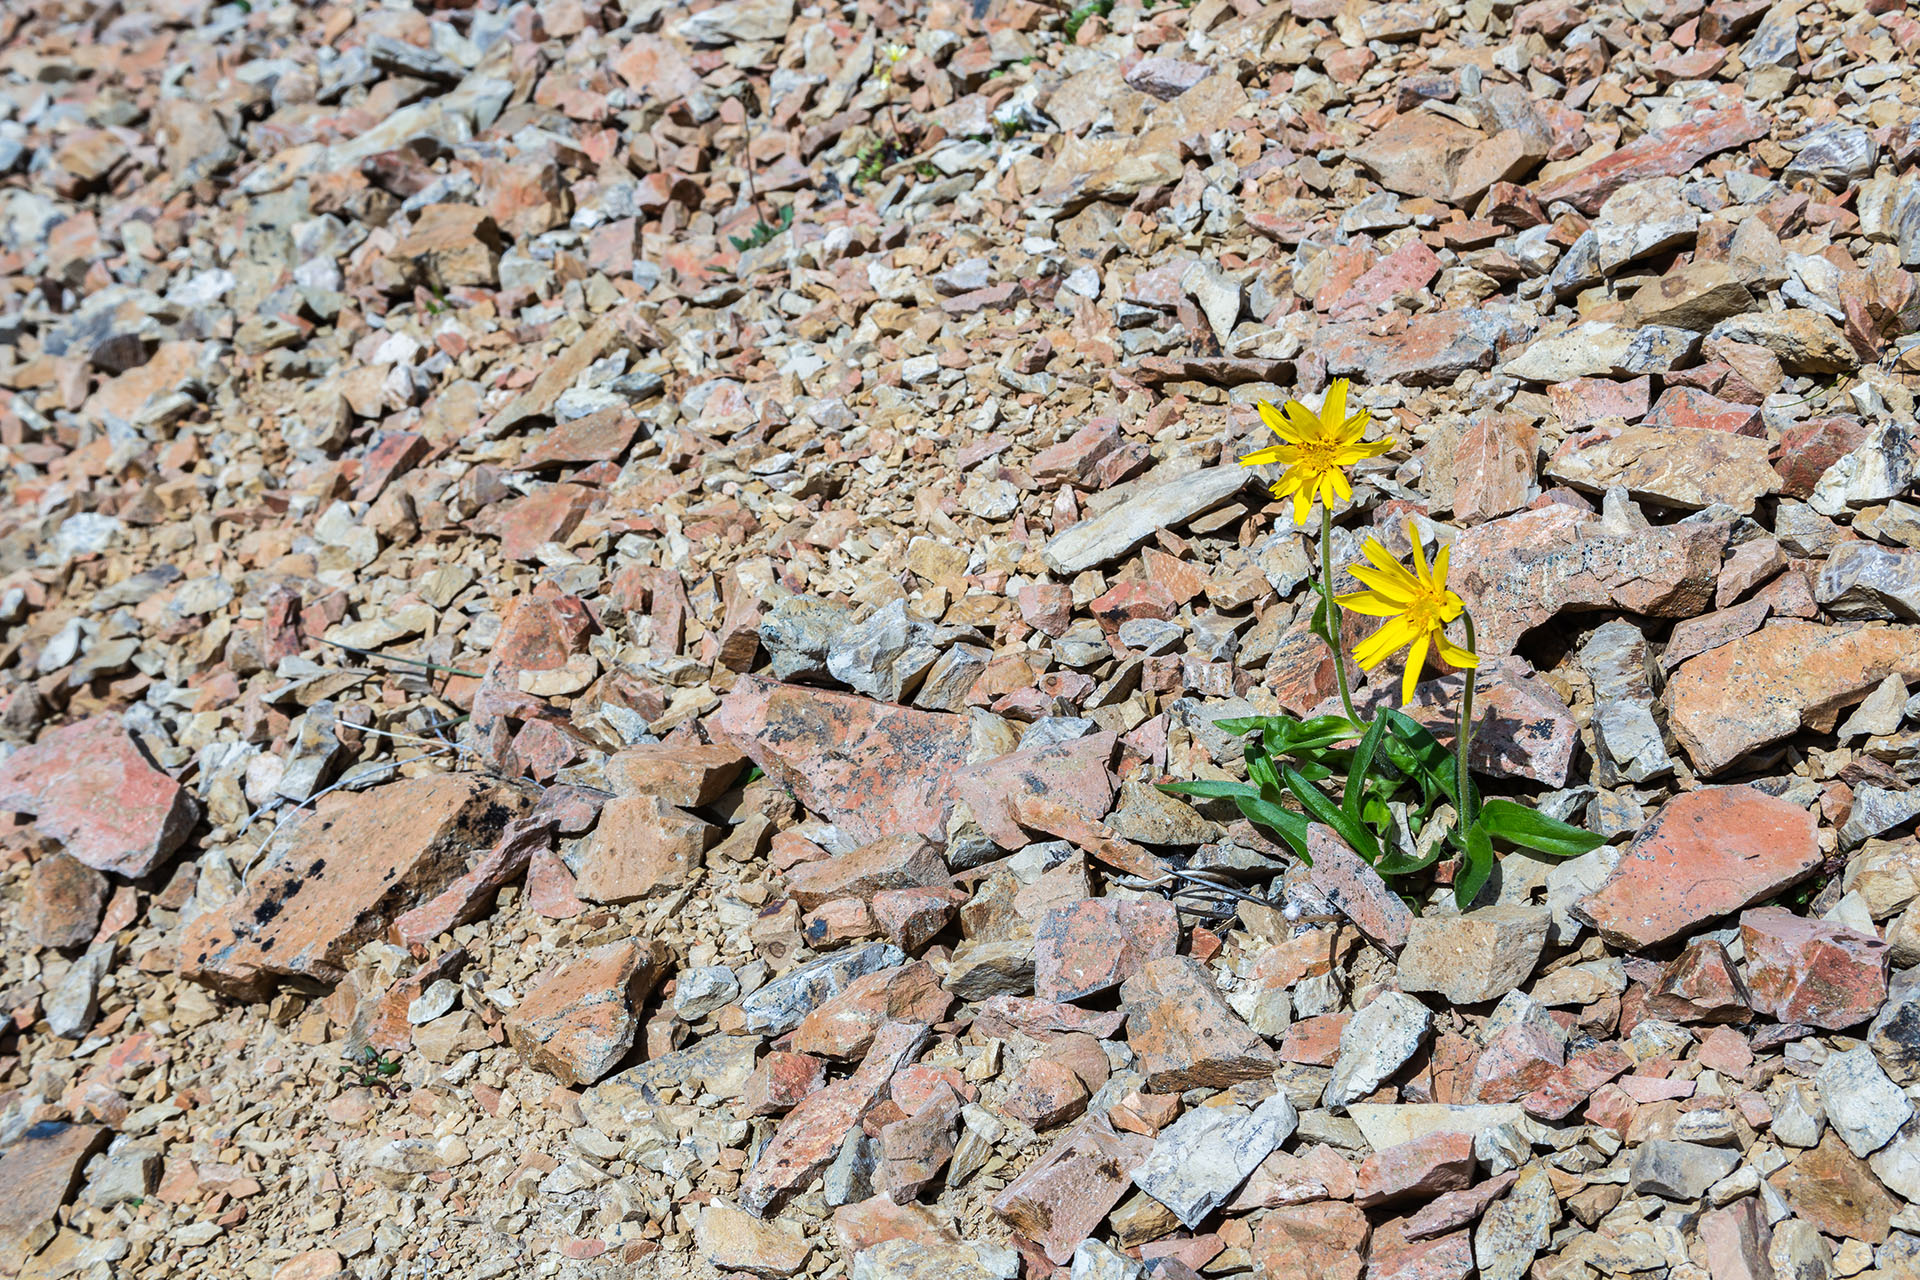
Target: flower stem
(1334, 630)
(1463, 738)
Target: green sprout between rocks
(763, 232)
(372, 1070)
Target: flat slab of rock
(1121, 528)
(1066, 1194)
(1201, 1159)
(1813, 971)
(871, 768)
(339, 874)
(1789, 676)
(1521, 570)
(1351, 884)
(89, 786)
(579, 1018)
(1072, 773)
(38, 1174)
(1478, 956)
(1664, 153)
(1184, 1033)
(1684, 467)
(1096, 944)
(719, 1065)
(1706, 853)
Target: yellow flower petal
(1303, 422)
(1440, 559)
(1396, 635)
(1340, 485)
(1416, 659)
(1302, 505)
(1455, 655)
(1382, 585)
(1333, 409)
(1372, 605)
(1393, 569)
(1420, 569)
(1277, 422)
(1272, 453)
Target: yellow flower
(1418, 606)
(1317, 449)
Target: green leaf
(1260, 768)
(1326, 618)
(1475, 867)
(1396, 863)
(1357, 768)
(1433, 763)
(1531, 829)
(1315, 802)
(1210, 788)
(1288, 825)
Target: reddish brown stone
(1073, 774)
(913, 1150)
(89, 786)
(1097, 943)
(1691, 407)
(1834, 1189)
(1582, 402)
(1184, 1035)
(1754, 691)
(1391, 1256)
(891, 862)
(1807, 449)
(579, 1017)
(844, 1026)
(38, 1174)
(911, 918)
(1346, 880)
(1701, 985)
(1660, 154)
(1313, 1242)
(1457, 1209)
(470, 896)
(811, 1134)
(691, 775)
(1563, 1092)
(643, 845)
(1066, 1194)
(1044, 1094)
(64, 900)
(871, 768)
(1423, 1168)
(1493, 467)
(1811, 971)
(1706, 853)
(336, 876)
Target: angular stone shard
(1707, 853)
(339, 874)
(870, 768)
(90, 786)
(1791, 675)
(579, 1017)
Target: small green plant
(1088, 9)
(1009, 129)
(926, 172)
(763, 232)
(873, 160)
(1400, 798)
(372, 1070)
